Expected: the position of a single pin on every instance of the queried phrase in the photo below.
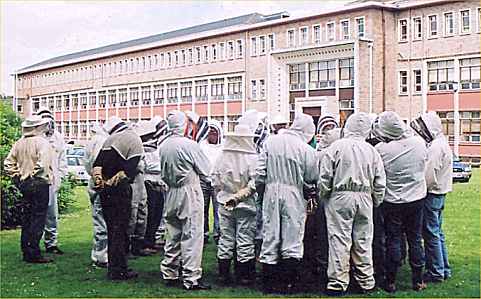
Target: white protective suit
(286, 163)
(404, 159)
(439, 169)
(182, 164)
(233, 174)
(100, 242)
(352, 178)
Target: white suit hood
(433, 123)
(389, 126)
(328, 138)
(177, 122)
(304, 126)
(358, 125)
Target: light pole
(456, 117)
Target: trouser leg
(50, 234)
(170, 265)
(413, 221)
(433, 205)
(207, 193)
(100, 242)
(226, 246)
(393, 226)
(215, 210)
(192, 243)
(271, 240)
(447, 267)
(378, 245)
(155, 205)
(245, 244)
(362, 234)
(36, 198)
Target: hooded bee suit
(352, 179)
(114, 170)
(404, 158)
(234, 177)
(439, 183)
(99, 248)
(59, 167)
(182, 165)
(212, 151)
(286, 163)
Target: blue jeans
(437, 265)
(210, 195)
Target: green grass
(73, 276)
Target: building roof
(248, 19)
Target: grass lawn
(73, 276)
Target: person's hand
(97, 178)
(230, 204)
(311, 206)
(117, 179)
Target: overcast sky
(32, 31)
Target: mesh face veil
(420, 127)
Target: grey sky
(34, 31)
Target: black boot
(291, 275)
(246, 274)
(224, 271)
(268, 279)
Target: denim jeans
(155, 207)
(378, 245)
(437, 265)
(405, 217)
(210, 195)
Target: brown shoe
(38, 260)
(151, 250)
(419, 286)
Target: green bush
(11, 207)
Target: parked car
(75, 167)
(461, 170)
(75, 151)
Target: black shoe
(200, 286)
(100, 265)
(123, 275)
(172, 283)
(141, 252)
(224, 271)
(54, 250)
(130, 256)
(38, 260)
(335, 293)
(390, 287)
(431, 279)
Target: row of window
(441, 76)
(321, 74)
(325, 32)
(433, 27)
(229, 88)
(258, 93)
(469, 129)
(221, 51)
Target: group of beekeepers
(322, 209)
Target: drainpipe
(370, 45)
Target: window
(146, 95)
(303, 36)
(83, 100)
(262, 45)
(221, 51)
(234, 87)
(316, 34)
(418, 28)
(253, 46)
(169, 59)
(198, 56)
(403, 82)
(403, 30)
(214, 52)
(183, 60)
(479, 19)
(240, 49)
(176, 57)
(159, 93)
(448, 24)
(134, 96)
(206, 54)
(441, 75)
(19, 108)
(470, 126)
(51, 103)
(433, 26)
(171, 92)
(346, 72)
(190, 57)
(345, 31)
(230, 50)
(112, 98)
(262, 89)
(469, 71)
(417, 81)
(297, 76)
(92, 100)
(330, 31)
(66, 102)
(291, 38)
(102, 99)
(186, 92)
(465, 21)
(201, 90)
(162, 60)
(123, 97)
(322, 74)
(253, 89)
(271, 41)
(35, 104)
(346, 108)
(217, 89)
(360, 27)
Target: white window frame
(306, 42)
(265, 44)
(428, 27)
(341, 29)
(190, 56)
(197, 55)
(414, 81)
(399, 82)
(205, 58)
(461, 29)
(222, 52)
(269, 41)
(445, 34)
(262, 98)
(399, 35)
(357, 26)
(478, 21)
(313, 34)
(236, 48)
(230, 56)
(213, 48)
(293, 38)
(254, 95)
(253, 42)
(414, 32)
(333, 31)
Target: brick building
(407, 56)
